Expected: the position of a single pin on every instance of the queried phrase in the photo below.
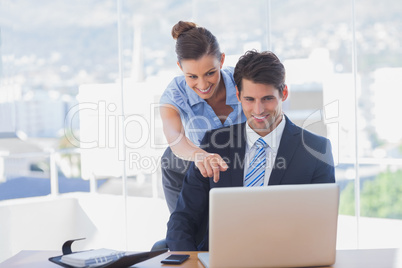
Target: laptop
(274, 226)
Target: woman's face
(203, 75)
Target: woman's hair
(193, 42)
(260, 67)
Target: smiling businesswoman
(201, 99)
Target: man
(287, 155)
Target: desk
(362, 258)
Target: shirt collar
(231, 98)
(193, 98)
(272, 139)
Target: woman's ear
(222, 59)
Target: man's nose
(258, 108)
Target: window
(70, 70)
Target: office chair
(161, 244)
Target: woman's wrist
(198, 154)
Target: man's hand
(210, 164)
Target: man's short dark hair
(262, 68)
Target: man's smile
(260, 117)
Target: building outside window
(80, 83)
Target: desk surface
(364, 258)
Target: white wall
(45, 223)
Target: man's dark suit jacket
(302, 158)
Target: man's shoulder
(228, 130)
(307, 137)
(311, 136)
(303, 131)
(231, 136)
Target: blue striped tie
(256, 169)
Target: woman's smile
(205, 91)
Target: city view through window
(80, 83)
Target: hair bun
(181, 27)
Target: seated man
(266, 150)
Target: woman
(203, 98)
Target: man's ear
(285, 93)
(237, 93)
(178, 64)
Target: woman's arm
(208, 164)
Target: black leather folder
(125, 261)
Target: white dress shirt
(273, 140)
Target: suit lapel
(236, 155)
(287, 148)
